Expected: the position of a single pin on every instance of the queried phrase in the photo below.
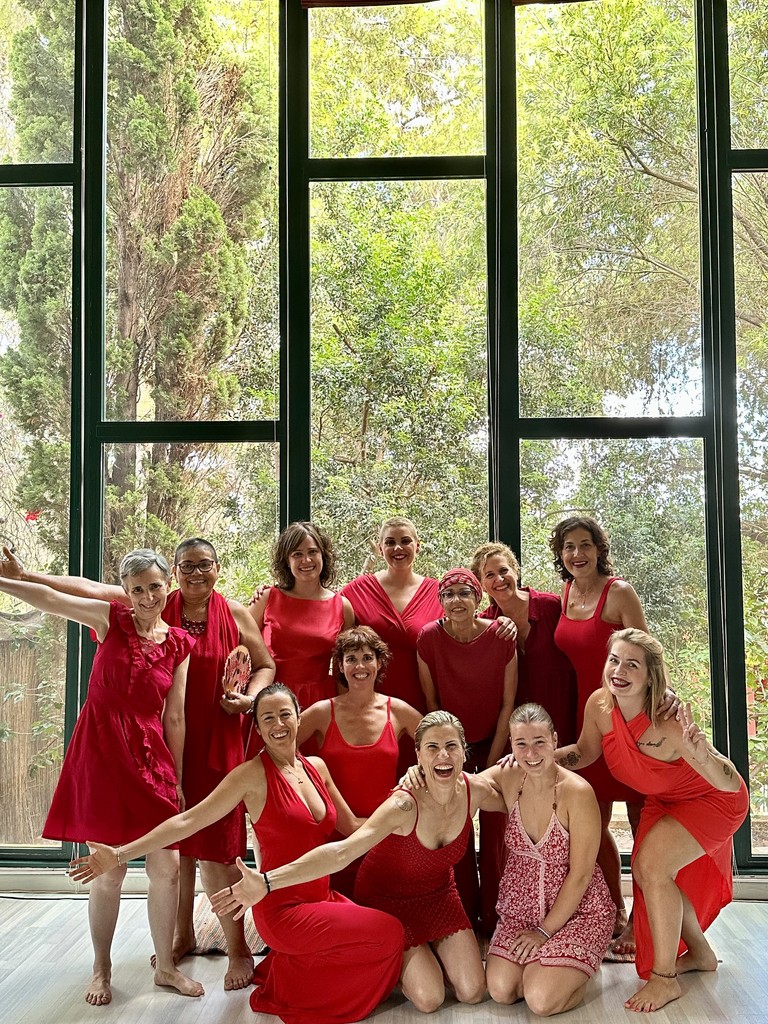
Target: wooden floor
(45, 961)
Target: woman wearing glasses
(213, 744)
(467, 669)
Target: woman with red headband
(467, 669)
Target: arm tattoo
(403, 803)
(570, 760)
(727, 769)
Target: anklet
(660, 974)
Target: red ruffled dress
(118, 779)
(675, 789)
(415, 884)
(331, 961)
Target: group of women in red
(400, 645)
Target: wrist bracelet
(265, 876)
(543, 931)
(253, 703)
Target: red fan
(237, 670)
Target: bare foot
(175, 979)
(699, 959)
(624, 943)
(99, 992)
(654, 994)
(183, 945)
(620, 924)
(239, 973)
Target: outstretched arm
(11, 567)
(589, 745)
(396, 814)
(86, 611)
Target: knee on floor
(427, 999)
(470, 993)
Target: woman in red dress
(544, 675)
(122, 773)
(414, 840)
(357, 732)
(213, 723)
(301, 617)
(331, 961)
(695, 800)
(595, 604)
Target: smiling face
(498, 578)
(278, 724)
(626, 671)
(148, 592)
(441, 755)
(305, 561)
(196, 586)
(533, 746)
(360, 667)
(399, 546)
(579, 553)
(459, 603)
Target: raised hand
(507, 628)
(413, 778)
(100, 860)
(236, 899)
(11, 566)
(693, 739)
(259, 593)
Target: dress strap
(565, 597)
(604, 596)
(333, 711)
(389, 708)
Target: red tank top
(365, 774)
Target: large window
(462, 260)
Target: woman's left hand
(525, 943)
(236, 899)
(507, 629)
(693, 739)
(668, 705)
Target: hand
(524, 944)
(507, 628)
(101, 860)
(236, 703)
(413, 778)
(668, 705)
(180, 797)
(11, 567)
(259, 593)
(236, 899)
(507, 759)
(694, 740)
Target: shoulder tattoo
(652, 743)
(403, 802)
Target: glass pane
(399, 379)
(192, 231)
(158, 494)
(608, 210)
(35, 349)
(37, 54)
(397, 81)
(750, 199)
(748, 62)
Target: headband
(462, 576)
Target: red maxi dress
(118, 779)
(585, 642)
(415, 884)
(365, 775)
(213, 744)
(331, 961)
(711, 816)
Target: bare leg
(666, 849)
(551, 990)
(699, 956)
(460, 956)
(610, 862)
(504, 979)
(421, 979)
(624, 943)
(184, 941)
(239, 974)
(103, 908)
(162, 906)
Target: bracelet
(265, 876)
(543, 931)
(117, 854)
(250, 710)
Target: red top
(415, 884)
(118, 779)
(364, 773)
(399, 630)
(585, 642)
(213, 744)
(711, 816)
(300, 636)
(469, 678)
(544, 675)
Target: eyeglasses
(464, 595)
(189, 567)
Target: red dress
(415, 884)
(365, 775)
(118, 779)
(300, 636)
(585, 642)
(532, 881)
(544, 675)
(711, 816)
(399, 630)
(331, 961)
(213, 744)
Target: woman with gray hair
(128, 742)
